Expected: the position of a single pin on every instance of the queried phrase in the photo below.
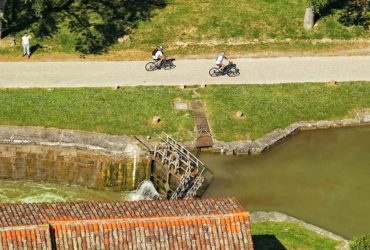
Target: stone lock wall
(71, 157)
(70, 166)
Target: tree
(2, 19)
(356, 13)
(312, 9)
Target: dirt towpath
(132, 73)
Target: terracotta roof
(29, 237)
(160, 224)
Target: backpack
(154, 51)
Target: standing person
(26, 45)
(159, 56)
(219, 60)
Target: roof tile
(185, 224)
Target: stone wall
(71, 157)
(271, 139)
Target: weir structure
(175, 172)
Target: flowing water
(26, 191)
(321, 177)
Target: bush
(360, 243)
(356, 13)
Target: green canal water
(321, 177)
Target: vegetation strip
(271, 139)
(129, 111)
(130, 29)
(292, 233)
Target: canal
(321, 177)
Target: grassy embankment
(279, 236)
(201, 28)
(129, 111)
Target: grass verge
(129, 111)
(193, 27)
(268, 107)
(280, 235)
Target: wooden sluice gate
(176, 173)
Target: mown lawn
(280, 236)
(267, 107)
(194, 27)
(129, 110)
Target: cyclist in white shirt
(26, 45)
(219, 60)
(159, 56)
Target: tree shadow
(332, 6)
(21, 16)
(117, 19)
(350, 12)
(95, 24)
(267, 242)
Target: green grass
(204, 27)
(279, 236)
(267, 107)
(128, 111)
(193, 27)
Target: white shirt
(26, 40)
(220, 58)
(157, 55)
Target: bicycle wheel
(233, 72)
(214, 72)
(168, 65)
(150, 66)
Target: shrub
(360, 243)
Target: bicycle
(231, 70)
(166, 64)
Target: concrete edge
(278, 135)
(123, 145)
(83, 140)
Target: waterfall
(145, 191)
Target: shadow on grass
(352, 13)
(34, 48)
(331, 7)
(267, 242)
(95, 24)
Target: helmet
(160, 48)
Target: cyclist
(219, 60)
(159, 56)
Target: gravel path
(131, 73)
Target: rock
(12, 43)
(239, 114)
(181, 106)
(124, 39)
(155, 120)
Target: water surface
(27, 191)
(322, 177)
